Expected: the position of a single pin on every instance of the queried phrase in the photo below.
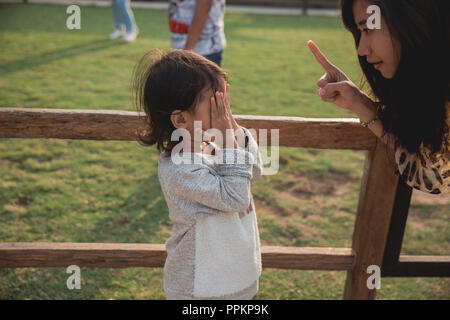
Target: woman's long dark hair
(415, 99)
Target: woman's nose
(363, 47)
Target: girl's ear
(178, 119)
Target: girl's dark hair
(415, 99)
(165, 82)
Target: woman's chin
(386, 73)
(387, 76)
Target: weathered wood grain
(376, 202)
(126, 255)
(124, 125)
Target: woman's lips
(377, 65)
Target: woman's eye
(367, 30)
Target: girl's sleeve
(251, 146)
(227, 189)
(422, 171)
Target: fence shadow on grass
(33, 61)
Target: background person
(198, 25)
(124, 23)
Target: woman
(405, 63)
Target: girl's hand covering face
(221, 119)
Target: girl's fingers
(221, 106)
(213, 109)
(206, 136)
(227, 95)
(220, 109)
(217, 105)
(226, 104)
(214, 112)
(198, 135)
(203, 135)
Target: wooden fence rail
(126, 255)
(121, 125)
(375, 206)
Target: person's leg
(127, 15)
(215, 57)
(119, 26)
(118, 20)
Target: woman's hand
(335, 86)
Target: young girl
(214, 252)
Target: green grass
(108, 191)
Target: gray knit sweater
(214, 251)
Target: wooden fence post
(376, 202)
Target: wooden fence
(379, 198)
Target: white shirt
(212, 39)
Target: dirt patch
(302, 195)
(23, 201)
(307, 186)
(428, 198)
(263, 209)
(419, 218)
(284, 159)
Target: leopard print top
(425, 171)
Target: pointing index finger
(327, 65)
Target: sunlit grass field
(108, 191)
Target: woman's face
(377, 45)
